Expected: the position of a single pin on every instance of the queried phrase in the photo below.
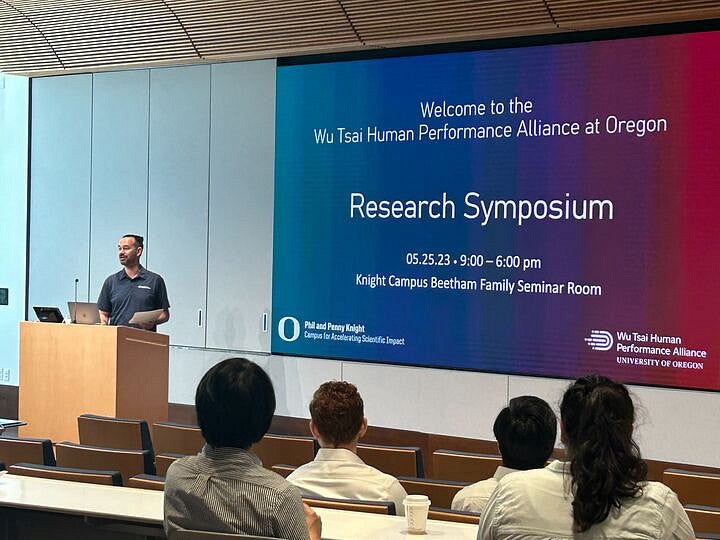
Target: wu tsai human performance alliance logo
(599, 340)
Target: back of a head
(598, 416)
(235, 403)
(337, 411)
(525, 431)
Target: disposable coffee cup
(416, 513)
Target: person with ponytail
(600, 491)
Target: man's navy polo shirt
(121, 296)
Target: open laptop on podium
(48, 314)
(84, 312)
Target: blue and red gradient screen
(546, 210)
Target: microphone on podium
(74, 315)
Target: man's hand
(314, 524)
(147, 326)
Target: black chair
(291, 449)
(22, 449)
(440, 492)
(464, 466)
(704, 518)
(147, 481)
(445, 514)
(72, 474)
(172, 438)
(353, 505)
(110, 432)
(393, 460)
(693, 487)
(184, 534)
(128, 462)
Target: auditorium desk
(40, 508)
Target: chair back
(290, 449)
(704, 518)
(184, 534)
(283, 470)
(89, 476)
(464, 466)
(445, 514)
(172, 438)
(109, 432)
(440, 492)
(694, 487)
(147, 481)
(163, 462)
(352, 505)
(16, 450)
(393, 460)
(128, 462)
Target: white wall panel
(242, 135)
(178, 195)
(14, 107)
(294, 379)
(60, 189)
(455, 403)
(678, 425)
(119, 167)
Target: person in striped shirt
(225, 487)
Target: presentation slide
(549, 210)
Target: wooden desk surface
(146, 506)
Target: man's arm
(104, 304)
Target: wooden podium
(70, 369)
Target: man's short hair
(525, 431)
(337, 411)
(235, 403)
(139, 240)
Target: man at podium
(133, 289)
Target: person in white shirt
(338, 422)
(601, 492)
(525, 431)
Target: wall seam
(92, 133)
(207, 230)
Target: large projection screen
(549, 210)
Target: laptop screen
(48, 314)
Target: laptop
(84, 312)
(48, 314)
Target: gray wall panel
(14, 106)
(178, 194)
(242, 133)
(60, 189)
(119, 167)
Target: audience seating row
(127, 445)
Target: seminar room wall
(185, 157)
(14, 103)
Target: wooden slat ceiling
(54, 36)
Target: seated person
(525, 431)
(600, 492)
(338, 422)
(225, 487)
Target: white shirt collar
(502, 471)
(337, 454)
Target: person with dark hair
(225, 487)
(600, 492)
(525, 431)
(338, 422)
(132, 289)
